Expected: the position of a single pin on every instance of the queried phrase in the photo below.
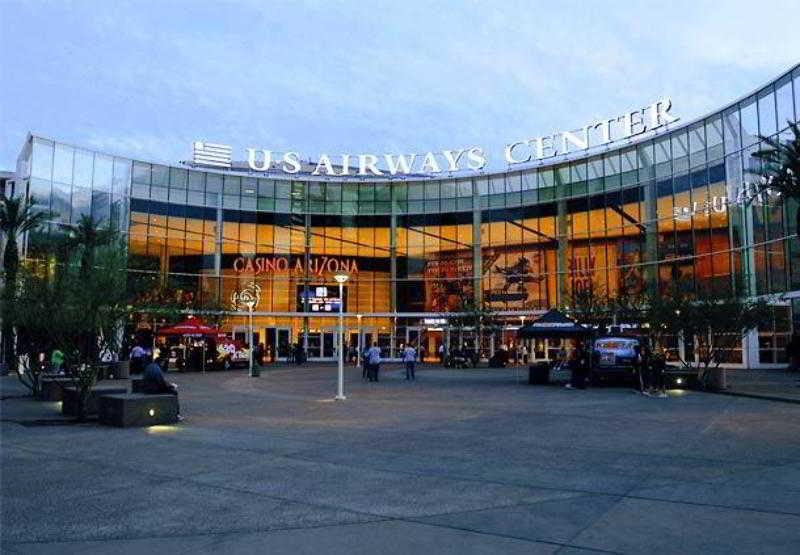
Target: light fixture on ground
(341, 279)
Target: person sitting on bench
(154, 382)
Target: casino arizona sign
(317, 265)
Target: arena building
(661, 204)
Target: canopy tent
(553, 324)
(189, 327)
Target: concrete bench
(69, 406)
(51, 388)
(137, 409)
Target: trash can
(539, 373)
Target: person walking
(374, 358)
(441, 353)
(410, 359)
(640, 370)
(658, 363)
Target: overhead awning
(189, 327)
(553, 324)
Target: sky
(144, 78)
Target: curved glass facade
(643, 214)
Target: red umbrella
(190, 326)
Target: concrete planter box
(717, 379)
(51, 389)
(70, 405)
(136, 409)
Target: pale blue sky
(144, 79)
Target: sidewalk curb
(759, 396)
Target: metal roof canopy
(553, 324)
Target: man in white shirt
(373, 357)
(410, 359)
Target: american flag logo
(211, 154)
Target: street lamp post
(358, 342)
(341, 279)
(250, 306)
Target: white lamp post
(250, 305)
(358, 342)
(341, 279)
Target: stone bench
(51, 388)
(137, 409)
(69, 406)
(137, 385)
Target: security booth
(551, 325)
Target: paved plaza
(472, 461)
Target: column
(306, 266)
(650, 255)
(393, 261)
(562, 236)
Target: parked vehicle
(614, 358)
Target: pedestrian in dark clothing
(640, 370)
(154, 382)
(580, 367)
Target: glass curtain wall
(669, 209)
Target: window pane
(697, 145)
(196, 181)
(82, 175)
(62, 164)
(42, 159)
(103, 173)
(714, 138)
(785, 103)
(160, 176)
(731, 129)
(766, 113)
(122, 177)
(141, 173)
(749, 122)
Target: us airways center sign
(598, 133)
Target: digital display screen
(321, 298)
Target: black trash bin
(539, 373)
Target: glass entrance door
(321, 345)
(277, 343)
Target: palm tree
(16, 218)
(88, 235)
(780, 167)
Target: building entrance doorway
(278, 344)
(322, 344)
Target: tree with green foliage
(17, 217)
(61, 306)
(715, 324)
(472, 316)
